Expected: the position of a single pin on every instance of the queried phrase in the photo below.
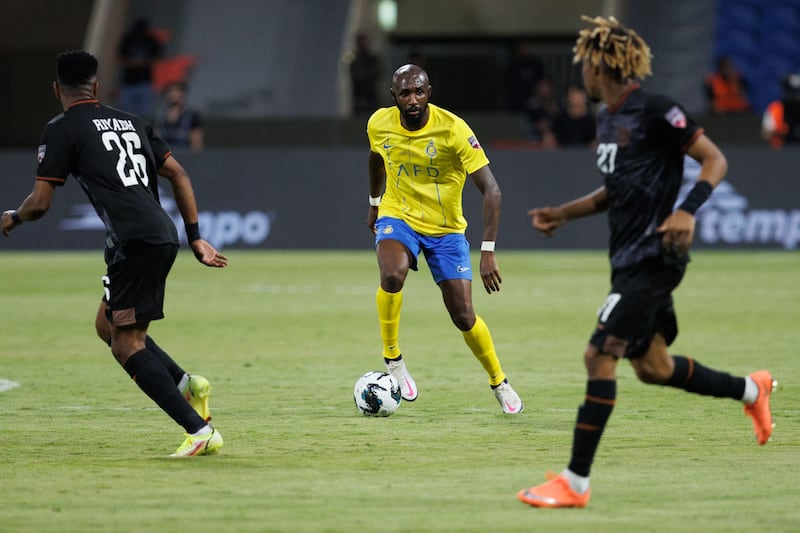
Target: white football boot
(408, 388)
(509, 400)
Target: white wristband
(375, 201)
(487, 246)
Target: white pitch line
(6, 384)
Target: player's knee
(651, 374)
(655, 366)
(119, 354)
(599, 365)
(392, 281)
(463, 319)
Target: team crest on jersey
(473, 141)
(40, 152)
(676, 117)
(430, 150)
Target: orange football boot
(759, 410)
(554, 493)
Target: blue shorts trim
(447, 256)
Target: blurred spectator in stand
(575, 125)
(726, 89)
(524, 70)
(179, 125)
(541, 110)
(365, 70)
(781, 121)
(138, 51)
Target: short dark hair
(75, 68)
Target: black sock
(151, 376)
(691, 376)
(172, 367)
(592, 418)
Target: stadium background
(272, 84)
(283, 335)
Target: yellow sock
(389, 304)
(480, 342)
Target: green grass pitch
(283, 336)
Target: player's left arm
(492, 202)
(34, 207)
(187, 205)
(678, 228)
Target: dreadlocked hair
(608, 43)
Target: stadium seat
(172, 69)
(778, 65)
(780, 17)
(780, 43)
(739, 15)
(749, 68)
(736, 43)
(771, 71)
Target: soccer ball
(377, 394)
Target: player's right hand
(207, 254)
(7, 223)
(678, 232)
(547, 219)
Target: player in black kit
(116, 158)
(641, 142)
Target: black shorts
(134, 286)
(638, 306)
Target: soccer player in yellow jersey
(419, 160)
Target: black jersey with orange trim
(641, 141)
(115, 156)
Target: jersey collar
(621, 100)
(87, 101)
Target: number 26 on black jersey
(126, 145)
